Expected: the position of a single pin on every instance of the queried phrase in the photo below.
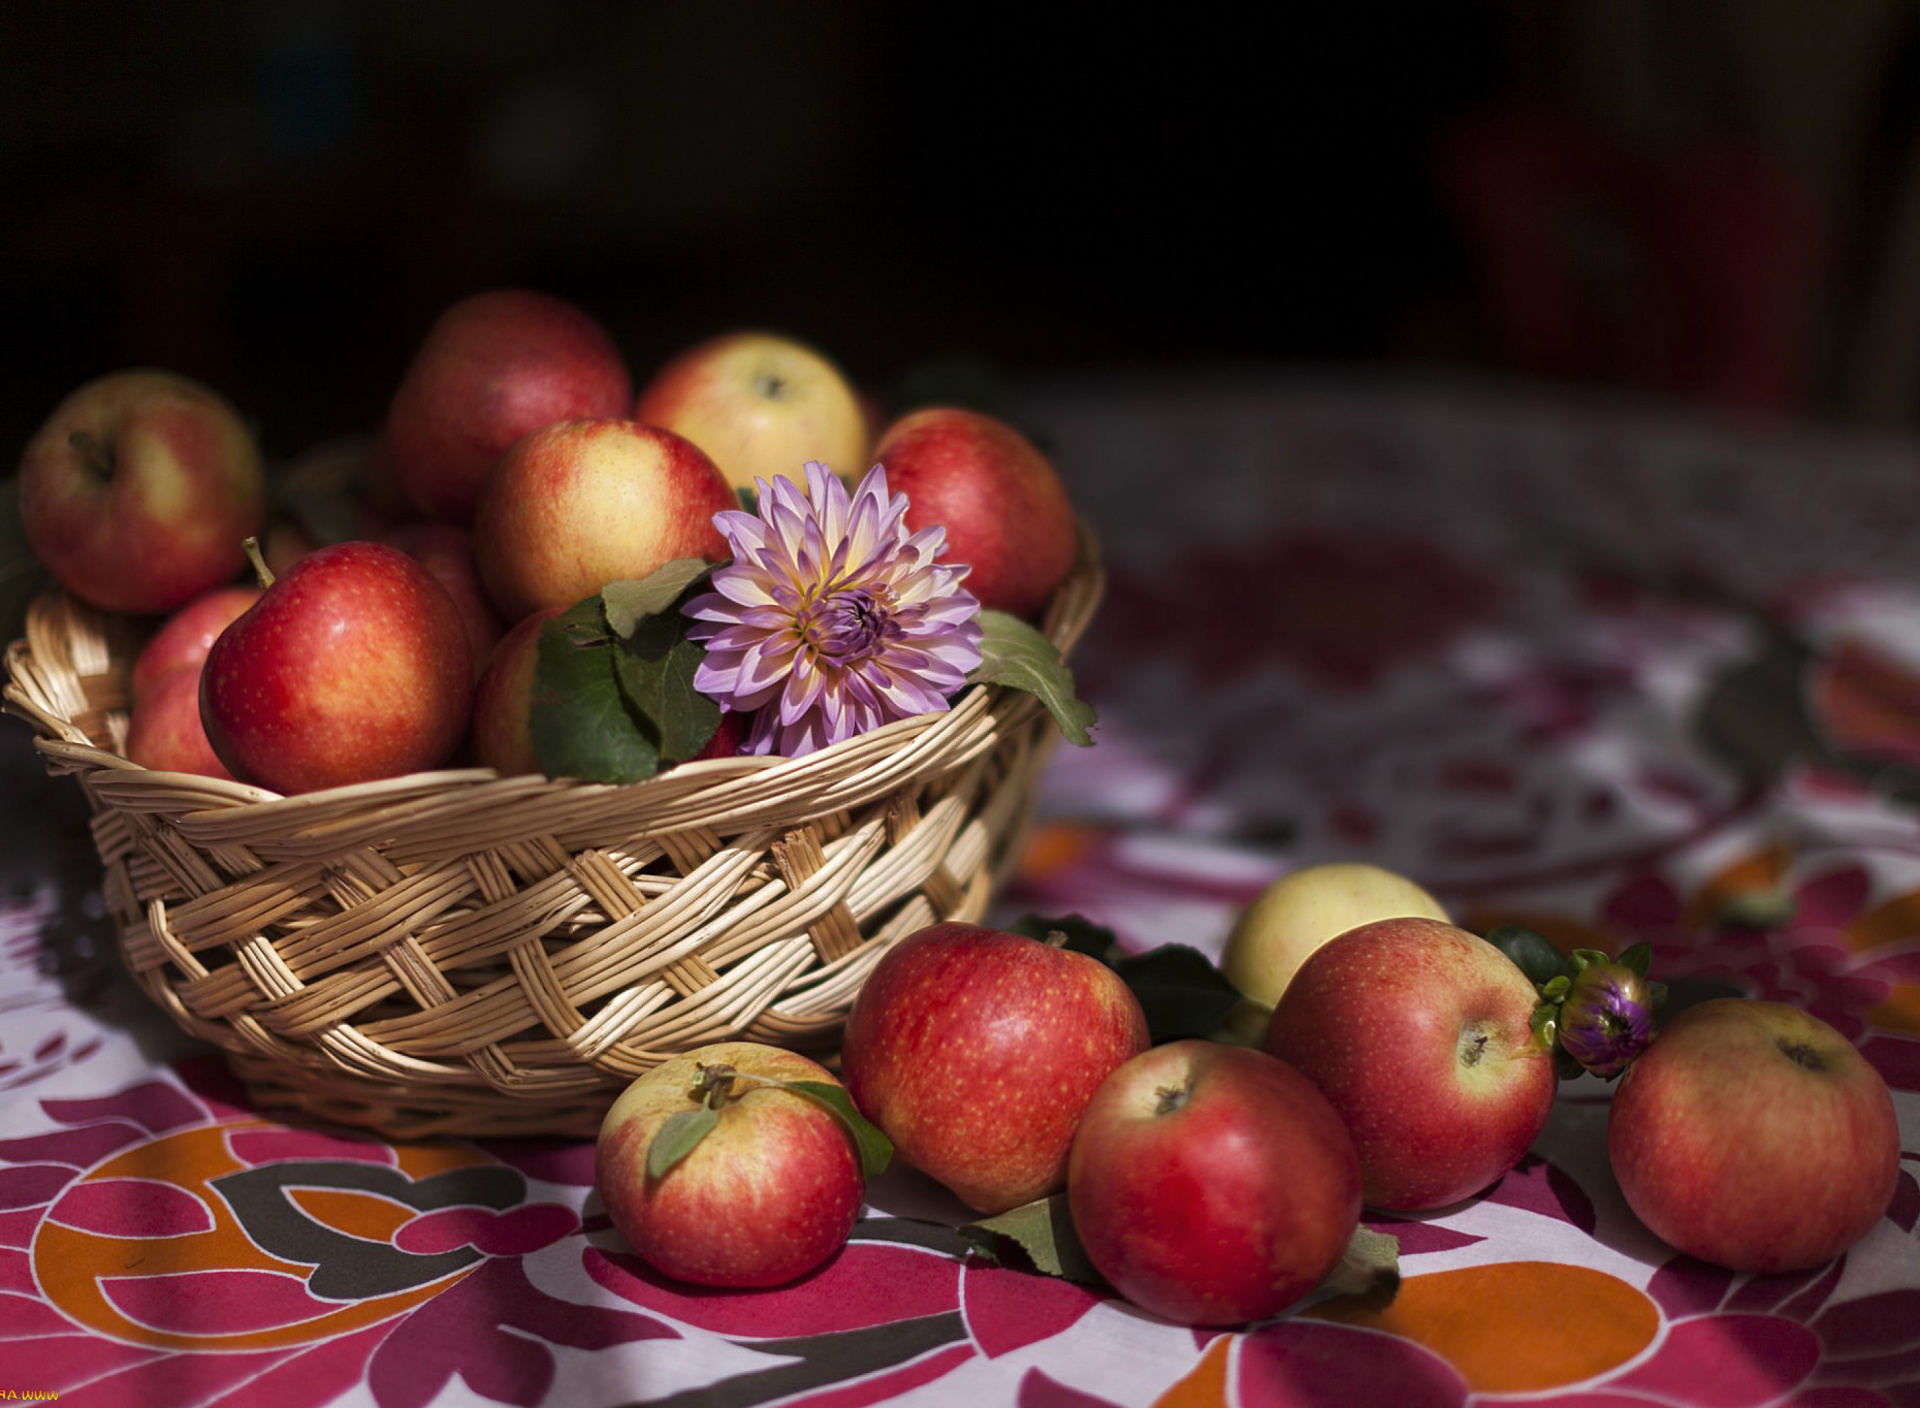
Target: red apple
(1421, 1036)
(138, 490)
(187, 635)
(586, 502)
(767, 1195)
(447, 551)
(1005, 510)
(164, 731)
(1754, 1136)
(761, 405)
(353, 666)
(503, 700)
(494, 367)
(975, 1050)
(1212, 1184)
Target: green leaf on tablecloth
(1369, 1267)
(677, 1137)
(874, 1148)
(1036, 1236)
(1014, 654)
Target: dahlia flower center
(845, 625)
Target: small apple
(352, 666)
(164, 731)
(576, 505)
(975, 1050)
(1005, 510)
(492, 368)
(1304, 908)
(501, 736)
(1421, 1036)
(186, 636)
(768, 1194)
(138, 489)
(1753, 1135)
(446, 550)
(1212, 1184)
(761, 405)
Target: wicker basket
(460, 953)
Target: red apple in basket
(187, 635)
(1420, 1034)
(761, 405)
(352, 666)
(1754, 1136)
(1005, 510)
(577, 505)
(138, 490)
(492, 368)
(768, 1194)
(1212, 1184)
(446, 550)
(976, 1050)
(164, 731)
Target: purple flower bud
(1607, 1018)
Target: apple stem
(259, 561)
(1169, 1098)
(95, 454)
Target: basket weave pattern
(460, 953)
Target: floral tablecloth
(1612, 673)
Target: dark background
(278, 197)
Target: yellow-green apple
(761, 405)
(1005, 510)
(1304, 908)
(1421, 1036)
(768, 1194)
(352, 666)
(975, 1051)
(494, 367)
(186, 636)
(164, 731)
(1212, 1184)
(446, 550)
(582, 503)
(1753, 1135)
(139, 489)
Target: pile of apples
(525, 473)
(1394, 1064)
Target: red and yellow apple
(1420, 1034)
(1212, 1184)
(446, 550)
(139, 489)
(1006, 513)
(580, 504)
(975, 1051)
(1753, 1135)
(501, 732)
(771, 1191)
(761, 405)
(494, 367)
(1304, 908)
(186, 636)
(164, 731)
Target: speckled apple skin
(769, 1194)
(492, 368)
(1007, 515)
(168, 524)
(583, 503)
(1731, 1151)
(1226, 1208)
(1377, 1018)
(186, 636)
(976, 1050)
(352, 666)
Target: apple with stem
(138, 489)
(761, 405)
(975, 1050)
(493, 367)
(1212, 1184)
(1421, 1036)
(577, 505)
(353, 665)
(1754, 1136)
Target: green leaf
(749, 498)
(1546, 1025)
(1536, 957)
(1639, 957)
(629, 603)
(875, 1149)
(1369, 1267)
(655, 666)
(1180, 990)
(580, 722)
(677, 1137)
(1081, 934)
(1585, 958)
(1014, 654)
(1036, 1236)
